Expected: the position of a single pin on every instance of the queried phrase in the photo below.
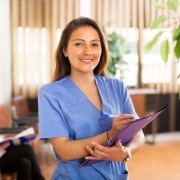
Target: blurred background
(29, 33)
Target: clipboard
(129, 131)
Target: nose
(87, 49)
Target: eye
(78, 44)
(95, 45)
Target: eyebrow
(84, 40)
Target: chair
(5, 120)
(6, 125)
(22, 116)
(21, 113)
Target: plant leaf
(177, 49)
(164, 50)
(160, 19)
(176, 34)
(172, 5)
(158, 5)
(151, 43)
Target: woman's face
(83, 50)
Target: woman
(73, 108)
(20, 159)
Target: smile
(86, 60)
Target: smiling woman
(75, 102)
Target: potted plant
(117, 49)
(171, 14)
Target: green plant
(171, 14)
(117, 49)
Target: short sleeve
(51, 120)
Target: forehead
(85, 33)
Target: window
(37, 26)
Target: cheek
(74, 52)
(71, 54)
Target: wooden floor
(156, 162)
(159, 161)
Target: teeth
(86, 60)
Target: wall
(5, 52)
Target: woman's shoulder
(110, 80)
(54, 86)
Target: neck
(82, 80)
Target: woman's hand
(119, 122)
(114, 153)
(4, 146)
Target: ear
(65, 53)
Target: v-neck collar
(101, 85)
(106, 107)
(84, 95)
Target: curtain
(36, 29)
(37, 26)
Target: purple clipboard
(129, 131)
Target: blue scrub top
(65, 111)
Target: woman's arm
(74, 149)
(136, 142)
(118, 152)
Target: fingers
(119, 122)
(97, 151)
(124, 118)
(118, 143)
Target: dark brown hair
(62, 65)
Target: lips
(87, 61)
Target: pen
(110, 115)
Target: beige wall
(5, 52)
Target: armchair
(21, 113)
(6, 126)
